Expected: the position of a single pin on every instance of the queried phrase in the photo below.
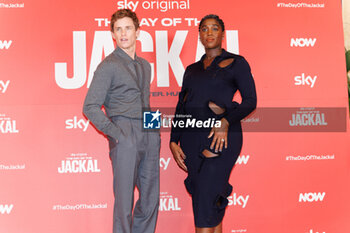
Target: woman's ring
(222, 140)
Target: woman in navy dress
(208, 154)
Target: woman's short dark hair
(212, 16)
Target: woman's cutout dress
(207, 180)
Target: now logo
(311, 197)
(242, 159)
(302, 42)
(6, 209)
(4, 44)
(312, 231)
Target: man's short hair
(124, 13)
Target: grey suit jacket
(117, 87)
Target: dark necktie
(138, 73)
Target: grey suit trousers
(135, 162)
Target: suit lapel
(128, 65)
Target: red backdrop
(55, 173)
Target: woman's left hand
(220, 136)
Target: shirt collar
(118, 51)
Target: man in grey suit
(121, 84)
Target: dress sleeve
(246, 86)
(176, 132)
(95, 98)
